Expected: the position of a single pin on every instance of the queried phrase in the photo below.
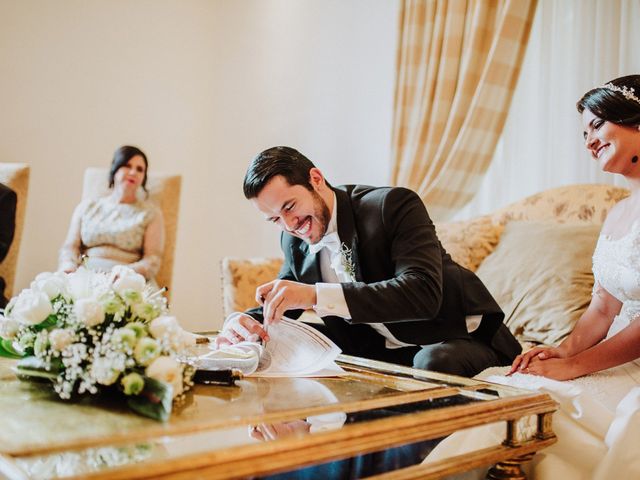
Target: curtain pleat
(458, 63)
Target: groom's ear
(316, 179)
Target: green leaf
(155, 400)
(33, 368)
(50, 321)
(35, 363)
(7, 350)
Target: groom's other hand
(278, 296)
(240, 327)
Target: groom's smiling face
(299, 211)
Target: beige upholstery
(240, 277)
(15, 176)
(468, 242)
(164, 190)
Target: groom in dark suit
(368, 261)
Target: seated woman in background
(121, 228)
(594, 374)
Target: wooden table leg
(512, 469)
(509, 469)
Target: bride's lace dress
(598, 419)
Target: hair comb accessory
(628, 93)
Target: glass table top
(44, 437)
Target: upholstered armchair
(15, 176)
(164, 190)
(538, 310)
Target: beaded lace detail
(616, 267)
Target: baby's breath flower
(26, 339)
(104, 371)
(41, 343)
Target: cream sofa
(542, 281)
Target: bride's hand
(521, 362)
(555, 368)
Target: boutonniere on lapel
(346, 259)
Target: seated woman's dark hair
(609, 102)
(121, 157)
(285, 161)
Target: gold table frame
(389, 385)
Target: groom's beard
(321, 214)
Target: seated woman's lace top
(111, 233)
(616, 267)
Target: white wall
(201, 87)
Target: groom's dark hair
(285, 161)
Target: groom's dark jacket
(404, 277)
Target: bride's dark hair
(611, 105)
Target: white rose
(162, 325)
(60, 338)
(10, 305)
(79, 284)
(168, 326)
(126, 279)
(53, 284)
(31, 307)
(89, 312)
(168, 370)
(8, 328)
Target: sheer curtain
(574, 45)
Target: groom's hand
(240, 327)
(278, 296)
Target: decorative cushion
(241, 277)
(587, 203)
(540, 274)
(469, 242)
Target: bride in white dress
(594, 374)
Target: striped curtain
(457, 66)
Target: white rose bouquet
(86, 332)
